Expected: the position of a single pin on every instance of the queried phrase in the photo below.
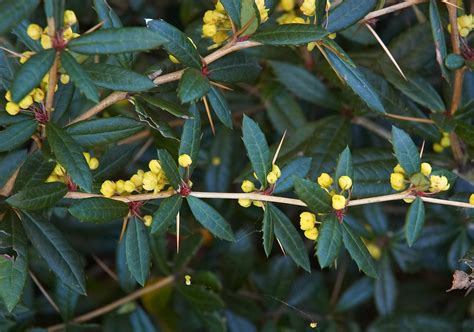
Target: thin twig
(392, 9)
(408, 118)
(104, 267)
(52, 81)
(372, 126)
(43, 291)
(341, 272)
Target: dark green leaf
(116, 40)
(210, 219)
(385, 288)
(166, 214)
(12, 12)
(137, 248)
(38, 197)
(465, 131)
(66, 300)
(201, 298)
(193, 85)
(62, 259)
(317, 199)
(290, 34)
(348, 13)
(79, 77)
(297, 168)
(125, 278)
(187, 251)
(249, 16)
(358, 251)
(191, 138)
(437, 31)
(220, 107)
(99, 210)
(69, 154)
(170, 168)
(358, 293)
(9, 163)
(329, 241)
(168, 106)
(414, 221)
(34, 172)
(344, 164)
(267, 232)
(17, 134)
(257, 148)
(232, 8)
(153, 119)
(114, 160)
(234, 68)
(405, 151)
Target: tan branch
(391, 9)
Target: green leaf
(290, 34)
(416, 88)
(372, 168)
(166, 214)
(13, 269)
(437, 31)
(358, 293)
(34, 171)
(348, 13)
(170, 168)
(117, 78)
(405, 151)
(116, 40)
(358, 251)
(17, 134)
(210, 219)
(9, 164)
(176, 43)
(12, 12)
(267, 232)
(257, 148)
(289, 238)
(153, 119)
(66, 300)
(317, 199)
(137, 248)
(356, 81)
(191, 138)
(414, 221)
(30, 74)
(103, 131)
(62, 259)
(113, 161)
(329, 241)
(193, 85)
(344, 165)
(233, 9)
(385, 288)
(125, 278)
(79, 77)
(168, 106)
(304, 85)
(465, 131)
(38, 197)
(297, 168)
(201, 298)
(234, 68)
(187, 251)
(99, 210)
(220, 107)
(69, 154)
(249, 16)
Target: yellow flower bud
(94, 164)
(345, 182)
(129, 186)
(272, 178)
(137, 180)
(120, 187)
(287, 5)
(184, 160)
(219, 7)
(46, 42)
(34, 31)
(298, 20)
(216, 161)
(408, 200)
(438, 183)
(108, 188)
(8, 96)
(257, 203)
(64, 79)
(398, 169)
(67, 33)
(59, 170)
(173, 58)
(69, 17)
(150, 181)
(425, 169)
(148, 220)
(26, 102)
(247, 186)
(245, 202)
(154, 166)
(338, 202)
(307, 220)
(310, 46)
(438, 148)
(332, 35)
(209, 30)
(87, 156)
(463, 32)
(312, 233)
(397, 181)
(445, 142)
(313, 325)
(52, 178)
(308, 7)
(374, 250)
(211, 17)
(38, 95)
(187, 280)
(325, 180)
(12, 108)
(276, 170)
(25, 56)
(471, 199)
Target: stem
(408, 118)
(52, 81)
(111, 306)
(372, 126)
(392, 9)
(103, 104)
(43, 291)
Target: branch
(408, 118)
(392, 9)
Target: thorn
(422, 148)
(222, 86)
(124, 227)
(177, 232)
(278, 149)
(281, 247)
(208, 111)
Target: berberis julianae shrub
(236, 165)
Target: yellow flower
(257, 203)
(216, 161)
(287, 5)
(345, 182)
(129, 186)
(64, 79)
(308, 7)
(471, 199)
(148, 220)
(8, 96)
(325, 180)
(38, 95)
(276, 170)
(59, 170)
(398, 169)
(211, 16)
(247, 186)
(298, 20)
(272, 177)
(34, 31)
(69, 17)
(187, 280)
(408, 200)
(46, 42)
(438, 148)
(397, 181)
(332, 35)
(338, 202)
(425, 169)
(245, 202)
(154, 166)
(137, 180)
(313, 325)
(438, 183)
(119, 186)
(173, 58)
(374, 250)
(25, 56)
(184, 160)
(94, 163)
(445, 142)
(150, 181)
(26, 102)
(108, 188)
(12, 108)
(312, 233)
(263, 11)
(307, 220)
(209, 30)
(52, 178)
(219, 7)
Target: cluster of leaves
(322, 102)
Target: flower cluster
(471, 199)
(217, 24)
(338, 199)
(419, 182)
(465, 25)
(308, 225)
(35, 32)
(445, 142)
(153, 180)
(59, 174)
(248, 186)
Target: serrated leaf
(170, 168)
(38, 197)
(249, 16)
(267, 232)
(118, 78)
(290, 34)
(415, 219)
(30, 74)
(168, 106)
(79, 77)
(437, 31)
(17, 134)
(103, 131)
(9, 163)
(152, 119)
(176, 43)
(114, 160)
(344, 165)
(193, 85)
(34, 171)
(99, 210)
(125, 278)
(137, 248)
(166, 214)
(191, 138)
(66, 299)
(297, 168)
(358, 251)
(405, 151)
(348, 13)
(69, 154)
(12, 12)
(62, 259)
(234, 68)
(220, 107)
(257, 148)
(317, 199)
(116, 40)
(385, 288)
(210, 219)
(289, 238)
(233, 9)
(329, 241)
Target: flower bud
(325, 180)
(154, 166)
(307, 220)
(471, 199)
(147, 220)
(345, 182)
(34, 31)
(245, 202)
(312, 233)
(12, 108)
(272, 178)
(397, 181)
(425, 169)
(338, 202)
(69, 17)
(247, 186)
(184, 160)
(398, 169)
